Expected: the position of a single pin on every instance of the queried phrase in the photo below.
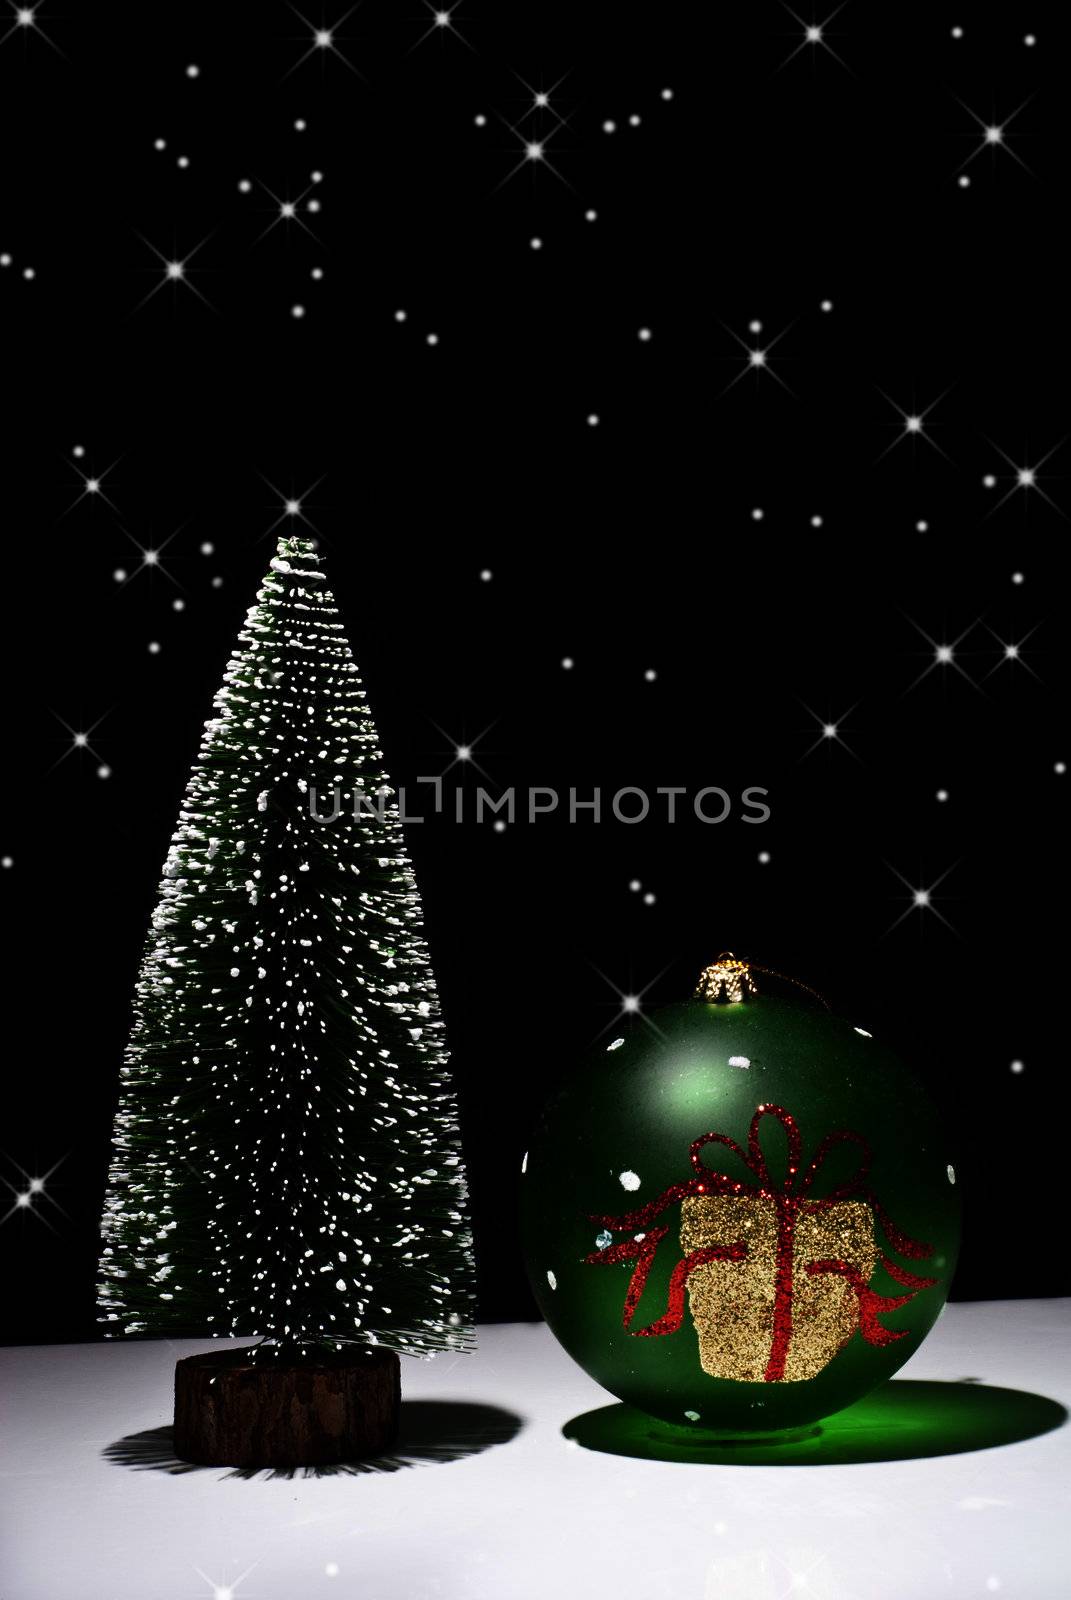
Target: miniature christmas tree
(287, 1164)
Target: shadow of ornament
(431, 1433)
(902, 1421)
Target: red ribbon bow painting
(778, 1281)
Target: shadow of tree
(902, 1421)
(431, 1432)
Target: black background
(763, 187)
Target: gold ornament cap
(726, 981)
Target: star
(324, 40)
(441, 23)
(541, 100)
(534, 153)
(287, 211)
(224, 1591)
(758, 357)
(463, 751)
(630, 1004)
(1012, 652)
(175, 272)
(814, 35)
(24, 20)
(994, 136)
(31, 1190)
(79, 740)
(830, 732)
(92, 486)
(150, 558)
(913, 425)
(293, 505)
(1024, 477)
(921, 898)
(944, 654)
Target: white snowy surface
(534, 1517)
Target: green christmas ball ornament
(744, 1217)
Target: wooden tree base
(278, 1411)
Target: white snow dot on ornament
(552, 1280)
(950, 1169)
(340, 1283)
(628, 1180)
(693, 1416)
(603, 1239)
(615, 1044)
(740, 1061)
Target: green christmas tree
(287, 1164)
